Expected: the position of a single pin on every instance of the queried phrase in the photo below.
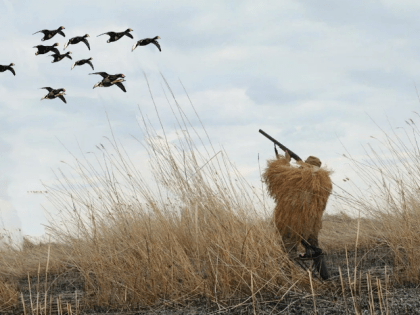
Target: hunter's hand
(287, 156)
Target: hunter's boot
(313, 251)
(321, 267)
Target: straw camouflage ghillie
(301, 193)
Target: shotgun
(291, 153)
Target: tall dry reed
(391, 201)
(9, 295)
(198, 232)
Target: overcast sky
(310, 73)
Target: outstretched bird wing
(90, 63)
(12, 70)
(121, 86)
(107, 33)
(135, 45)
(86, 42)
(157, 45)
(47, 88)
(55, 50)
(66, 44)
(43, 31)
(62, 98)
(103, 74)
(68, 56)
(61, 33)
(129, 35)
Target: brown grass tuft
(9, 295)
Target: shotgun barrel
(291, 153)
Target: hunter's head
(313, 160)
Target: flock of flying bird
(107, 79)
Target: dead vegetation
(200, 233)
(9, 294)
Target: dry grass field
(200, 239)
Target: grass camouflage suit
(301, 193)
